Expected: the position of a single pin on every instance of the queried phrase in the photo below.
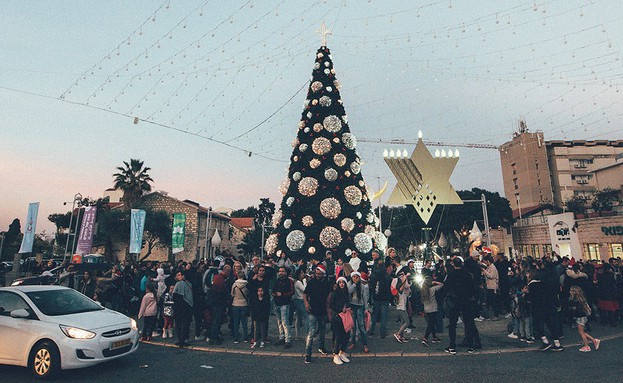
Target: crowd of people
(539, 296)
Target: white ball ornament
(332, 124)
(353, 195)
(363, 242)
(355, 167)
(296, 176)
(327, 71)
(287, 223)
(303, 147)
(329, 89)
(316, 86)
(349, 140)
(317, 66)
(290, 201)
(295, 240)
(311, 250)
(330, 174)
(306, 130)
(348, 252)
(325, 101)
(348, 224)
(327, 64)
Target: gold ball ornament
(330, 237)
(308, 186)
(318, 127)
(321, 146)
(314, 163)
(307, 221)
(339, 159)
(330, 208)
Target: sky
(218, 88)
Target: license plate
(120, 343)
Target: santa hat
(486, 249)
(322, 268)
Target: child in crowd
(148, 310)
(260, 311)
(167, 313)
(404, 290)
(580, 309)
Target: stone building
(196, 231)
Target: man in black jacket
(282, 296)
(380, 290)
(460, 296)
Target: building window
(547, 249)
(591, 251)
(536, 251)
(616, 250)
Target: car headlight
(17, 283)
(76, 333)
(133, 324)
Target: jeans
(282, 313)
(316, 325)
(431, 322)
(493, 303)
(360, 325)
(379, 311)
(217, 320)
(340, 337)
(301, 316)
(239, 314)
(472, 337)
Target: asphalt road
(165, 364)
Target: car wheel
(45, 360)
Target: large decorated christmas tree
(325, 205)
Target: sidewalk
(493, 334)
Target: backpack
(394, 286)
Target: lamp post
(77, 198)
(205, 247)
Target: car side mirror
(20, 313)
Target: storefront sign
(563, 236)
(612, 230)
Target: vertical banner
(85, 240)
(137, 225)
(31, 226)
(179, 228)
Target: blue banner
(30, 228)
(137, 225)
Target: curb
(369, 355)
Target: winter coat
(492, 278)
(430, 302)
(364, 298)
(240, 293)
(285, 286)
(260, 309)
(149, 306)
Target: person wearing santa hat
(315, 297)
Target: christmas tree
(325, 205)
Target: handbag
(347, 320)
(367, 320)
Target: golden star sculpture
(423, 180)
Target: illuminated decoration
(308, 186)
(277, 217)
(339, 159)
(330, 237)
(326, 205)
(295, 240)
(283, 187)
(332, 124)
(330, 208)
(271, 243)
(380, 240)
(330, 174)
(349, 140)
(363, 243)
(423, 180)
(348, 224)
(353, 195)
(316, 86)
(321, 146)
(314, 163)
(348, 253)
(308, 220)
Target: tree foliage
(134, 181)
(606, 199)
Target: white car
(49, 328)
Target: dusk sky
(218, 88)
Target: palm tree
(134, 181)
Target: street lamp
(77, 198)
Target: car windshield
(62, 302)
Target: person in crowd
(431, 311)
(300, 283)
(607, 301)
(354, 261)
(339, 302)
(182, 308)
(492, 283)
(167, 313)
(148, 311)
(67, 278)
(87, 284)
(541, 304)
(260, 311)
(315, 297)
(404, 290)
(380, 285)
(329, 264)
(359, 303)
(461, 301)
(283, 290)
(220, 293)
(240, 307)
(580, 310)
